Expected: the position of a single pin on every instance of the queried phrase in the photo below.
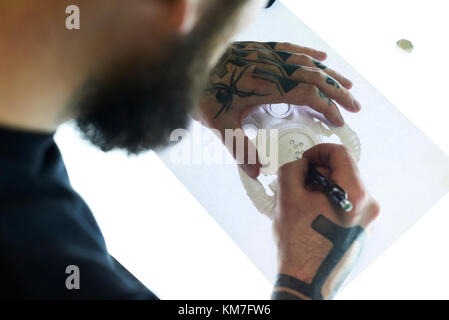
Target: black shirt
(45, 227)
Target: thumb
(292, 176)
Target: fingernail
(251, 170)
(357, 104)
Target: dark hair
(139, 100)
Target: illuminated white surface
(161, 234)
(403, 169)
(365, 33)
(156, 229)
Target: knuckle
(304, 60)
(375, 209)
(358, 197)
(263, 86)
(359, 192)
(340, 148)
(286, 46)
(337, 76)
(317, 75)
(310, 91)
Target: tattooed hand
(317, 243)
(252, 73)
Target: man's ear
(181, 14)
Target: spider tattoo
(224, 93)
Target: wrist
(287, 294)
(287, 285)
(306, 265)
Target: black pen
(335, 193)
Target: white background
(365, 33)
(192, 258)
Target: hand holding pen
(317, 241)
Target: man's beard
(139, 101)
(136, 107)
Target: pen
(335, 193)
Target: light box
(401, 167)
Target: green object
(347, 206)
(405, 45)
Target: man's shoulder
(51, 207)
(45, 232)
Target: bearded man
(133, 72)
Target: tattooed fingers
(294, 48)
(307, 61)
(330, 86)
(307, 95)
(252, 73)
(304, 60)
